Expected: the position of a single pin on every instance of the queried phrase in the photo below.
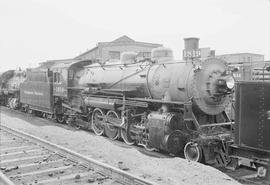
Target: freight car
(251, 146)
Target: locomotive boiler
(160, 103)
(207, 83)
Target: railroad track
(246, 176)
(27, 159)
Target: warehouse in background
(109, 50)
(245, 63)
(249, 66)
(112, 50)
(241, 58)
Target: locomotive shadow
(34, 120)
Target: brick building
(112, 50)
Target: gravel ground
(169, 171)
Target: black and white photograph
(135, 92)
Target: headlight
(230, 83)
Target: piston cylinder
(164, 132)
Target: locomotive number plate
(192, 54)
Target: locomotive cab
(66, 75)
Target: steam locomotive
(158, 103)
(10, 87)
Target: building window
(144, 54)
(114, 54)
(70, 74)
(249, 59)
(56, 77)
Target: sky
(33, 31)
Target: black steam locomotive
(10, 87)
(159, 103)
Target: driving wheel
(111, 131)
(193, 152)
(126, 134)
(98, 121)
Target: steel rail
(4, 180)
(112, 172)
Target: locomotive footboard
(258, 160)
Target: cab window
(56, 77)
(70, 74)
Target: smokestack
(191, 50)
(191, 43)
(212, 53)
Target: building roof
(61, 62)
(50, 63)
(124, 38)
(241, 54)
(121, 40)
(69, 63)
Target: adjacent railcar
(252, 126)
(65, 92)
